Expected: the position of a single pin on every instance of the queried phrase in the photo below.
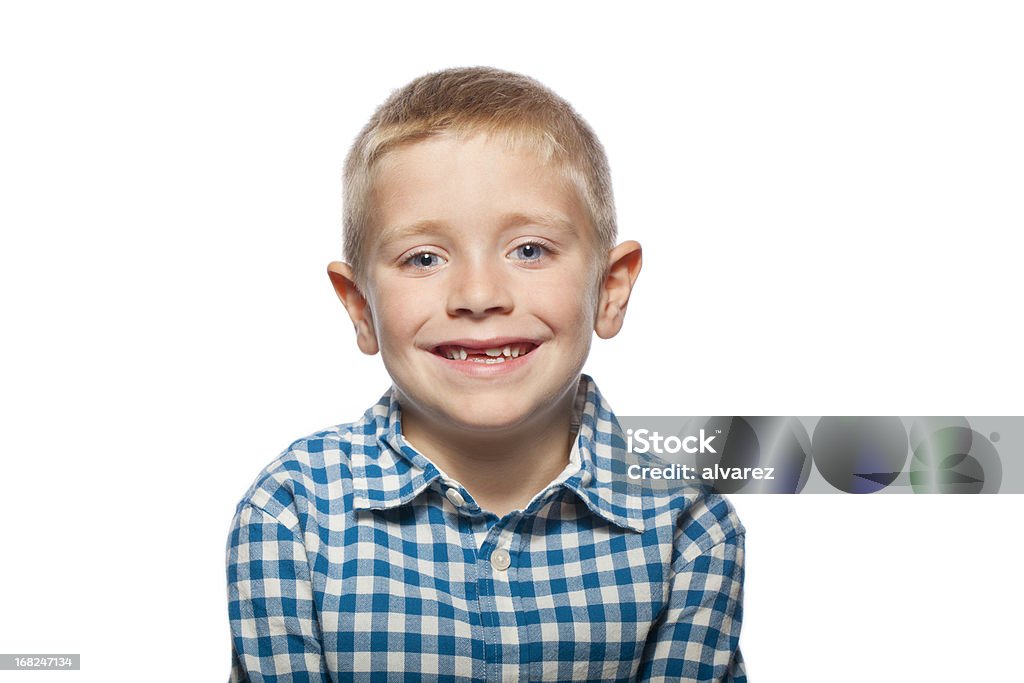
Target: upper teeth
(507, 351)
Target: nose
(479, 289)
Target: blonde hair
(467, 101)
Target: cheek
(574, 314)
(397, 313)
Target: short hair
(467, 101)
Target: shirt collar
(388, 472)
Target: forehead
(480, 182)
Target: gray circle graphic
(859, 454)
(955, 460)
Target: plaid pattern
(348, 559)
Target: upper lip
(491, 343)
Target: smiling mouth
(490, 356)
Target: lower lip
(475, 369)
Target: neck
(502, 469)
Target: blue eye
(425, 260)
(528, 252)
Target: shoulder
(707, 519)
(697, 518)
(312, 474)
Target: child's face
(481, 283)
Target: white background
(830, 203)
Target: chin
(482, 418)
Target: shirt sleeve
(697, 636)
(274, 631)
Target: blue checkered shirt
(353, 557)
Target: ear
(355, 303)
(624, 263)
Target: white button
(500, 559)
(585, 478)
(455, 497)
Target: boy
(470, 526)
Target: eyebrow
(553, 221)
(424, 227)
